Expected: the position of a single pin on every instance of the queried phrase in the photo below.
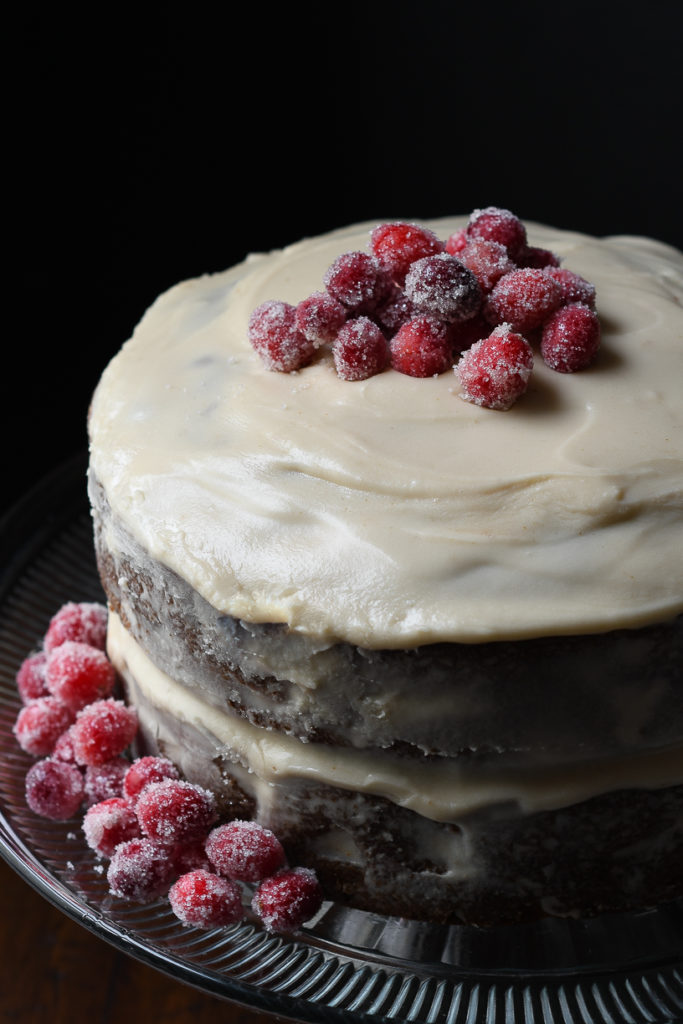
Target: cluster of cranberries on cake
(477, 301)
(159, 832)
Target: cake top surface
(388, 512)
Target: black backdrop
(144, 151)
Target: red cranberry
(54, 789)
(396, 310)
(63, 749)
(495, 371)
(360, 350)
(244, 851)
(175, 811)
(31, 677)
(574, 287)
(144, 770)
(357, 281)
(396, 246)
(319, 318)
(140, 870)
(524, 299)
(498, 225)
(103, 730)
(288, 899)
(571, 338)
(464, 334)
(440, 286)
(205, 900)
(422, 348)
(103, 781)
(456, 242)
(488, 261)
(79, 674)
(533, 256)
(39, 725)
(109, 823)
(85, 622)
(274, 334)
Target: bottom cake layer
(498, 851)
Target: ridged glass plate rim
(346, 966)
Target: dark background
(142, 153)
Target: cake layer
(282, 498)
(443, 841)
(613, 695)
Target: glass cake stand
(345, 965)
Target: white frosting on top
(389, 512)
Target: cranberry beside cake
(426, 627)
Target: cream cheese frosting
(389, 512)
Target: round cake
(435, 646)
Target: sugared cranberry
(288, 899)
(189, 856)
(31, 677)
(103, 730)
(205, 900)
(140, 870)
(63, 749)
(103, 781)
(84, 622)
(464, 334)
(498, 225)
(244, 851)
(143, 770)
(396, 310)
(524, 299)
(571, 338)
(487, 260)
(79, 674)
(109, 823)
(422, 347)
(396, 246)
(175, 811)
(456, 242)
(533, 256)
(319, 318)
(440, 286)
(360, 350)
(357, 281)
(39, 725)
(275, 336)
(574, 287)
(495, 371)
(54, 789)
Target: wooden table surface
(54, 971)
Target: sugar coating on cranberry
(54, 789)
(319, 318)
(189, 856)
(360, 349)
(442, 287)
(456, 242)
(571, 338)
(399, 244)
(78, 674)
(524, 299)
(140, 870)
(274, 334)
(396, 310)
(357, 281)
(495, 372)
(498, 225)
(63, 749)
(82, 621)
(103, 781)
(39, 725)
(574, 287)
(244, 851)
(31, 677)
(103, 730)
(488, 261)
(143, 770)
(109, 823)
(205, 900)
(288, 899)
(422, 347)
(174, 810)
